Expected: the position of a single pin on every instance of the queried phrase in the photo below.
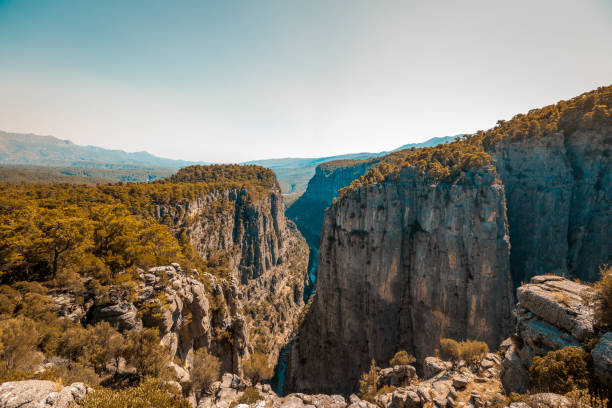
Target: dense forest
(449, 162)
(77, 238)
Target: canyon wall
(401, 264)
(246, 235)
(308, 211)
(559, 198)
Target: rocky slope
(553, 313)
(559, 198)
(248, 236)
(401, 264)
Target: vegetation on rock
(603, 293)
(561, 371)
(470, 351)
(258, 368)
(402, 358)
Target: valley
(450, 274)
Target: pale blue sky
(237, 80)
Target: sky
(230, 81)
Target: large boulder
(433, 366)
(602, 359)
(40, 394)
(552, 312)
(397, 375)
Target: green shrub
(402, 358)
(19, 338)
(561, 371)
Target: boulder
(460, 381)
(397, 375)
(120, 313)
(547, 399)
(40, 394)
(602, 359)
(433, 366)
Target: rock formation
(308, 211)
(40, 394)
(552, 313)
(401, 264)
(247, 233)
(559, 195)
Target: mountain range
(18, 150)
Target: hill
(18, 148)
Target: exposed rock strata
(559, 197)
(401, 264)
(308, 211)
(248, 233)
(552, 313)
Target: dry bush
(250, 396)
(560, 371)
(402, 358)
(257, 368)
(472, 351)
(204, 371)
(151, 393)
(603, 293)
(450, 350)
(584, 399)
(368, 384)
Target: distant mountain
(16, 148)
(294, 173)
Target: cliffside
(559, 196)
(247, 237)
(308, 211)
(401, 264)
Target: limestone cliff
(308, 211)
(401, 264)
(559, 197)
(247, 235)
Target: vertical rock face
(401, 264)
(559, 198)
(248, 234)
(308, 211)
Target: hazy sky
(237, 80)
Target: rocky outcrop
(246, 234)
(398, 387)
(552, 313)
(602, 359)
(559, 194)
(401, 264)
(40, 394)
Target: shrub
(204, 370)
(19, 338)
(603, 293)
(402, 358)
(257, 368)
(143, 351)
(368, 384)
(472, 351)
(450, 350)
(250, 396)
(560, 371)
(584, 399)
(151, 393)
